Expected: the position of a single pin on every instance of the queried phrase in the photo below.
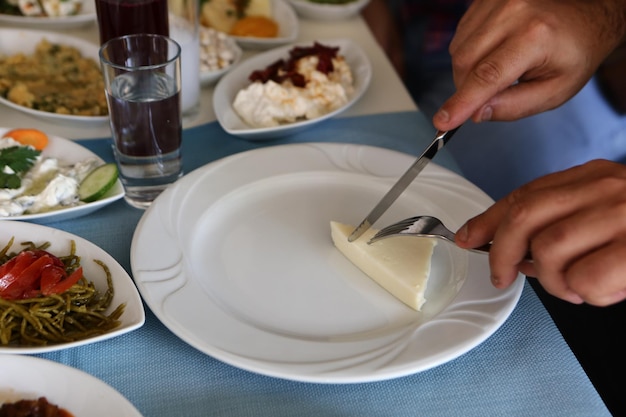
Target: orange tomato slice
(33, 137)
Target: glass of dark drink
(143, 84)
(125, 17)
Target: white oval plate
(288, 27)
(237, 79)
(13, 41)
(70, 152)
(236, 259)
(125, 290)
(86, 16)
(24, 377)
(328, 11)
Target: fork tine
(395, 228)
(387, 232)
(402, 224)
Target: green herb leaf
(14, 161)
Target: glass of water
(143, 90)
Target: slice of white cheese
(401, 265)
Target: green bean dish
(49, 313)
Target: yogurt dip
(48, 185)
(279, 100)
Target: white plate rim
(69, 388)
(124, 287)
(171, 279)
(87, 15)
(288, 27)
(18, 39)
(71, 152)
(231, 83)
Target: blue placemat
(524, 369)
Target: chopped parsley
(15, 161)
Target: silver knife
(441, 138)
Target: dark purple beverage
(145, 115)
(125, 17)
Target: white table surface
(385, 94)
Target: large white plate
(237, 79)
(70, 152)
(125, 290)
(288, 27)
(23, 377)
(13, 41)
(86, 16)
(236, 259)
(328, 11)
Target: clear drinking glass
(143, 87)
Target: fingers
(484, 226)
(512, 59)
(574, 223)
(599, 277)
(580, 258)
(489, 89)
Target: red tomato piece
(13, 270)
(67, 283)
(56, 261)
(27, 280)
(51, 276)
(5, 270)
(35, 272)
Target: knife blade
(441, 138)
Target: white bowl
(326, 11)
(68, 152)
(85, 17)
(210, 77)
(235, 80)
(13, 41)
(25, 377)
(288, 27)
(125, 291)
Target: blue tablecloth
(524, 369)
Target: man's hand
(573, 222)
(515, 58)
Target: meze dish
(310, 82)
(39, 407)
(46, 298)
(31, 378)
(255, 24)
(32, 182)
(41, 8)
(58, 290)
(323, 93)
(50, 190)
(240, 18)
(218, 53)
(85, 14)
(51, 76)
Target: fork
(421, 226)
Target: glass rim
(169, 40)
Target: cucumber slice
(97, 183)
